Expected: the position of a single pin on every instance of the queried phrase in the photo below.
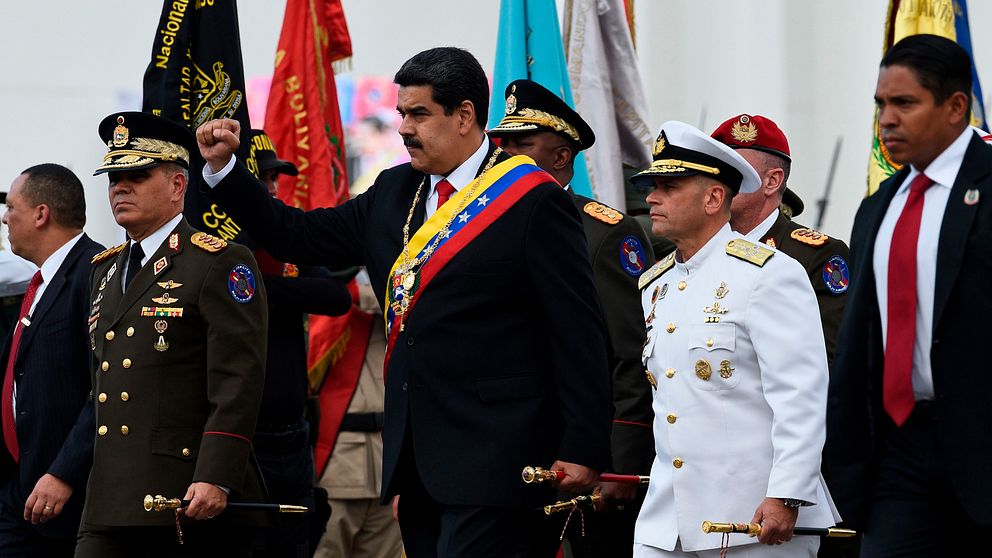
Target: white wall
(810, 66)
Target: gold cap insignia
(511, 101)
(120, 133)
(659, 145)
(744, 130)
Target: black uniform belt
(361, 422)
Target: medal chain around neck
(409, 265)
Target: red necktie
(444, 191)
(897, 382)
(9, 431)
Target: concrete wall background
(811, 66)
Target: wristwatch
(792, 504)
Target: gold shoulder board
(655, 271)
(206, 242)
(603, 213)
(749, 251)
(809, 236)
(108, 253)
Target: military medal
(715, 309)
(165, 299)
(169, 285)
(409, 280)
(161, 345)
(721, 291)
(725, 370)
(103, 283)
(161, 326)
(703, 370)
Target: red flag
(304, 122)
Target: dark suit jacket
(962, 382)
(814, 258)
(620, 299)
(54, 414)
(502, 361)
(169, 415)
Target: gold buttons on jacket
(670, 328)
(186, 452)
(709, 342)
(126, 363)
(672, 418)
(105, 366)
(130, 331)
(124, 429)
(125, 396)
(102, 398)
(670, 372)
(677, 463)
(110, 335)
(102, 430)
(682, 285)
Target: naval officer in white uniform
(735, 352)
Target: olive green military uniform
(180, 359)
(825, 260)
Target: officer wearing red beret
(763, 216)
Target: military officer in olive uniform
(175, 324)
(542, 126)
(737, 358)
(766, 216)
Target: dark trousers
(161, 542)
(434, 530)
(287, 466)
(914, 511)
(596, 535)
(18, 539)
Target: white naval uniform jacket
(740, 403)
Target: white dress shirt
(943, 171)
(48, 270)
(458, 178)
(153, 242)
(759, 232)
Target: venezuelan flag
(947, 18)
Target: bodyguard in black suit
(47, 454)
(540, 125)
(500, 363)
(909, 451)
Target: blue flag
(964, 39)
(529, 46)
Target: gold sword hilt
(568, 505)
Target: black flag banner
(195, 75)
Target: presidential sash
(497, 191)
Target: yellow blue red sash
(500, 188)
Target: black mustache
(411, 142)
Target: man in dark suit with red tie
(495, 355)
(909, 449)
(47, 414)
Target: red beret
(753, 132)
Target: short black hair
(60, 189)
(942, 66)
(455, 76)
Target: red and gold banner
(304, 122)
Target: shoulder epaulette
(108, 253)
(207, 242)
(749, 251)
(809, 236)
(655, 271)
(603, 213)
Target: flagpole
(821, 204)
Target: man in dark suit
(495, 355)
(908, 447)
(47, 416)
(177, 323)
(542, 126)
(761, 216)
